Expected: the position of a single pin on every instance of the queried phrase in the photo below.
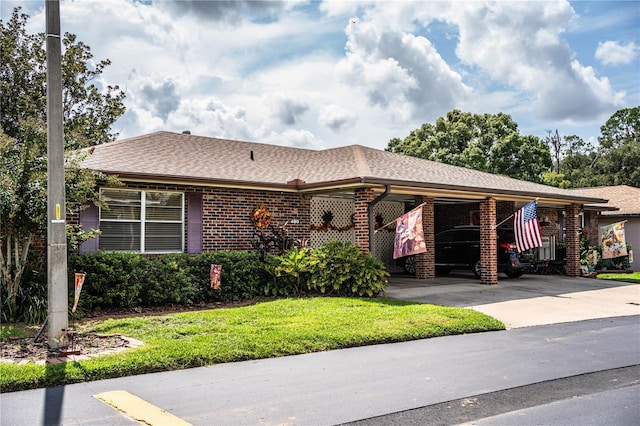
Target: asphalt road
(575, 365)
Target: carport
(564, 220)
(450, 196)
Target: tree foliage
(487, 142)
(89, 107)
(615, 161)
(89, 112)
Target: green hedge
(128, 280)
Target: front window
(142, 221)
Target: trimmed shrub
(112, 279)
(241, 277)
(129, 280)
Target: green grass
(263, 330)
(633, 277)
(17, 330)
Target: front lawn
(263, 330)
(633, 277)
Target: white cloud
(337, 118)
(519, 43)
(288, 108)
(292, 137)
(334, 73)
(399, 70)
(614, 53)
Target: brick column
(488, 241)
(426, 262)
(362, 198)
(573, 240)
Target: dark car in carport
(459, 248)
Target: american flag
(527, 227)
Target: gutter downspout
(387, 191)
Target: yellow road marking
(139, 409)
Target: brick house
(188, 193)
(623, 205)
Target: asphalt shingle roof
(625, 198)
(184, 157)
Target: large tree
(486, 142)
(614, 161)
(90, 109)
(618, 158)
(89, 112)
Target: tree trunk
(13, 265)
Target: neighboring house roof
(623, 197)
(175, 157)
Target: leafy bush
(337, 268)
(31, 300)
(34, 298)
(621, 262)
(170, 280)
(289, 272)
(131, 280)
(344, 270)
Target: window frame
(143, 221)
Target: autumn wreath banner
(613, 240)
(261, 217)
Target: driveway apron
(526, 301)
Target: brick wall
(488, 242)
(426, 262)
(226, 216)
(573, 241)
(226, 213)
(591, 223)
(362, 198)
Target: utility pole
(56, 213)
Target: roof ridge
(361, 161)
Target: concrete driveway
(526, 301)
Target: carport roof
(178, 157)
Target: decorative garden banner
(409, 234)
(214, 276)
(613, 241)
(79, 280)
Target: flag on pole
(409, 237)
(613, 240)
(78, 288)
(526, 227)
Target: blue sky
(326, 74)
